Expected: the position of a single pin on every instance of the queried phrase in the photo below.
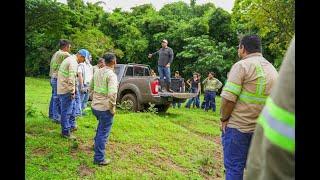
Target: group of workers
(72, 79)
(257, 106)
(257, 111)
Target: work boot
(70, 136)
(168, 87)
(73, 129)
(161, 89)
(102, 163)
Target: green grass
(181, 144)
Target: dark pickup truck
(138, 89)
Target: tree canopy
(203, 37)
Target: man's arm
(230, 93)
(112, 92)
(188, 82)
(72, 77)
(205, 81)
(199, 88)
(225, 111)
(150, 55)
(170, 56)
(219, 84)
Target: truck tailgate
(178, 95)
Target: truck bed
(177, 95)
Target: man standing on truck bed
(164, 62)
(243, 97)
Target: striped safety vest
(252, 98)
(64, 70)
(278, 125)
(100, 82)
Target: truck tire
(131, 100)
(162, 108)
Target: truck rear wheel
(130, 102)
(162, 108)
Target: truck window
(138, 71)
(129, 71)
(116, 70)
(146, 72)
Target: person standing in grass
(105, 87)
(57, 58)
(177, 76)
(85, 75)
(272, 152)
(194, 83)
(99, 65)
(249, 84)
(211, 86)
(67, 89)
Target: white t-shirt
(86, 70)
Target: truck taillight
(154, 87)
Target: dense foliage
(203, 37)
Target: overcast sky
(127, 4)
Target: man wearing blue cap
(66, 90)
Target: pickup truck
(138, 89)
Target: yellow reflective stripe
(233, 88)
(280, 114)
(67, 73)
(261, 82)
(102, 87)
(276, 132)
(251, 98)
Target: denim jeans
(174, 104)
(210, 100)
(235, 150)
(84, 99)
(54, 107)
(196, 99)
(105, 119)
(78, 102)
(68, 120)
(164, 72)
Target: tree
(220, 27)
(273, 20)
(203, 54)
(96, 43)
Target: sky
(127, 4)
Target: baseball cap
(85, 53)
(164, 40)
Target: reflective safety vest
(100, 82)
(252, 98)
(64, 70)
(278, 126)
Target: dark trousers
(105, 119)
(54, 107)
(235, 151)
(210, 99)
(195, 100)
(68, 120)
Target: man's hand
(83, 90)
(224, 125)
(168, 65)
(73, 95)
(150, 55)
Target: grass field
(181, 144)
